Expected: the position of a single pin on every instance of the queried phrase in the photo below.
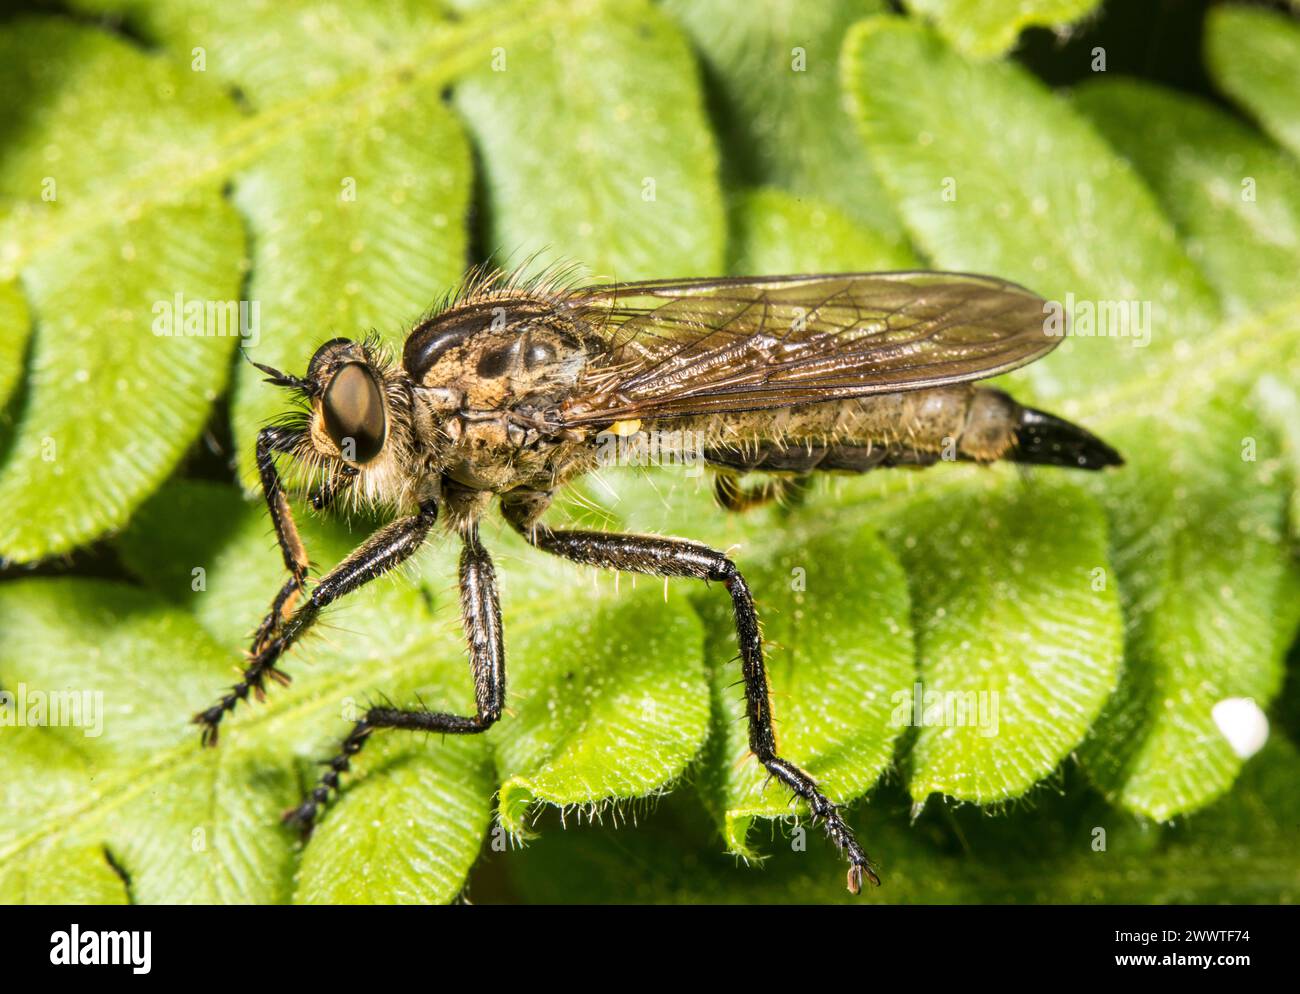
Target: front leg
(388, 547)
(481, 615)
(676, 557)
(270, 442)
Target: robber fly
(504, 392)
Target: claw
(856, 872)
(303, 817)
(210, 720)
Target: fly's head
(354, 432)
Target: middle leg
(481, 615)
(679, 558)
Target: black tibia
(732, 495)
(677, 557)
(388, 547)
(481, 614)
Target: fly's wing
(688, 347)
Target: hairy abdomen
(916, 428)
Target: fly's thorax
(487, 377)
(496, 354)
(500, 451)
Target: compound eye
(355, 418)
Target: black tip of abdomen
(1046, 440)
